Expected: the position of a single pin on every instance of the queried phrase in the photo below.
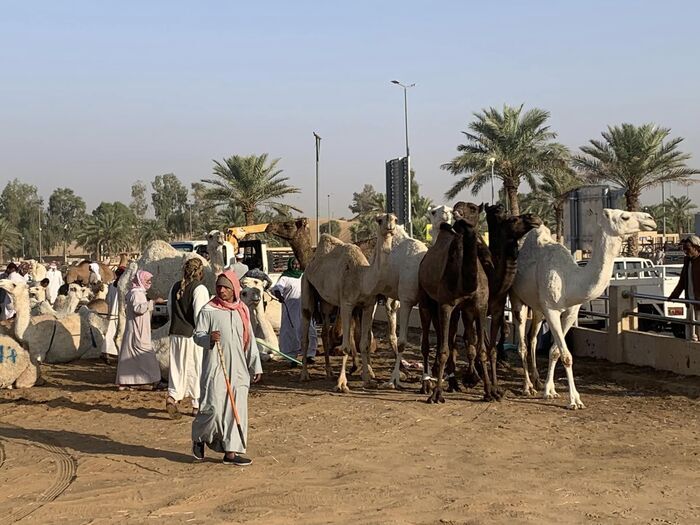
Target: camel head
(37, 293)
(386, 224)
(516, 226)
(439, 214)
(215, 239)
(82, 293)
(288, 230)
(617, 223)
(469, 212)
(15, 289)
(251, 291)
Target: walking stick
(230, 393)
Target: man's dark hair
(44, 282)
(11, 267)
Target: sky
(97, 95)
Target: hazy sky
(96, 95)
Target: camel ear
(481, 207)
(301, 223)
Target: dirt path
(77, 451)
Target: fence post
(618, 322)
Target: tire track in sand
(66, 471)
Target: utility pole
(40, 259)
(317, 138)
(408, 156)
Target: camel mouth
(648, 226)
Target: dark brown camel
(504, 233)
(449, 275)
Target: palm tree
(635, 158)
(554, 191)
(10, 238)
(109, 231)
(248, 182)
(678, 210)
(151, 230)
(517, 143)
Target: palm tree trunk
(249, 217)
(512, 196)
(632, 198)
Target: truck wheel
(678, 330)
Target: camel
(51, 339)
(37, 270)
(504, 233)
(450, 274)
(215, 249)
(17, 368)
(399, 280)
(251, 294)
(81, 273)
(549, 281)
(341, 276)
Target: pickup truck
(650, 280)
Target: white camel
(399, 280)
(437, 215)
(549, 281)
(215, 249)
(252, 291)
(51, 339)
(340, 274)
(17, 368)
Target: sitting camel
(554, 286)
(17, 368)
(51, 339)
(340, 275)
(251, 294)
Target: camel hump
(327, 243)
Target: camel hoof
(528, 391)
(426, 386)
(551, 395)
(453, 385)
(537, 384)
(353, 369)
(304, 376)
(470, 378)
(370, 385)
(436, 397)
(576, 404)
(342, 389)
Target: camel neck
(373, 275)
(21, 317)
(596, 274)
(302, 252)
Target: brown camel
(81, 273)
(450, 274)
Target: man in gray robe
(224, 325)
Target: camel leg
(308, 300)
(444, 313)
(554, 322)
(326, 338)
(391, 306)
(347, 347)
(453, 385)
(519, 312)
(496, 327)
(535, 326)
(490, 393)
(425, 310)
(367, 318)
(568, 320)
(404, 318)
(471, 376)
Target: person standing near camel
(689, 281)
(185, 300)
(230, 357)
(137, 364)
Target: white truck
(650, 280)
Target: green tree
(65, 216)
(110, 228)
(419, 210)
(368, 200)
(656, 211)
(519, 144)
(363, 228)
(139, 204)
(635, 158)
(10, 238)
(553, 192)
(22, 207)
(151, 230)
(169, 200)
(249, 183)
(679, 212)
(331, 227)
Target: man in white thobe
(53, 274)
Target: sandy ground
(77, 451)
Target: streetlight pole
(408, 156)
(189, 205)
(317, 138)
(40, 259)
(329, 212)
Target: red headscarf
(236, 305)
(139, 280)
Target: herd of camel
(458, 278)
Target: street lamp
(663, 207)
(408, 157)
(40, 259)
(492, 161)
(317, 138)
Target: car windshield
(182, 246)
